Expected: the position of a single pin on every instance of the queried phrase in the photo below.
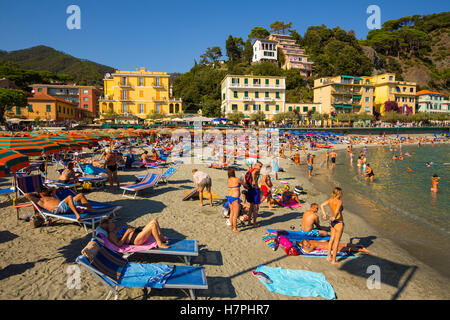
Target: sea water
(399, 202)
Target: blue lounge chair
(178, 247)
(34, 183)
(97, 180)
(139, 275)
(164, 177)
(149, 181)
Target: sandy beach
(34, 262)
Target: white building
(264, 50)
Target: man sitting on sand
(47, 199)
(310, 245)
(309, 220)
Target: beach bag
(37, 220)
(298, 190)
(87, 185)
(225, 212)
(284, 242)
(271, 239)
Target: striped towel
(271, 239)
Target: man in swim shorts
(310, 164)
(254, 193)
(311, 219)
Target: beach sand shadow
(71, 251)
(391, 273)
(15, 269)
(6, 236)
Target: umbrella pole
(15, 198)
(46, 163)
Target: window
(314, 108)
(234, 107)
(411, 89)
(256, 94)
(85, 106)
(277, 95)
(277, 82)
(305, 109)
(157, 81)
(30, 108)
(59, 108)
(141, 108)
(267, 94)
(48, 108)
(39, 89)
(85, 91)
(267, 81)
(290, 108)
(223, 96)
(246, 81)
(267, 107)
(404, 89)
(245, 107)
(85, 99)
(18, 111)
(141, 81)
(124, 108)
(235, 80)
(298, 108)
(245, 93)
(124, 94)
(367, 99)
(277, 107)
(235, 94)
(255, 107)
(124, 80)
(158, 107)
(390, 78)
(367, 89)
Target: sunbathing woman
(310, 245)
(133, 236)
(287, 196)
(336, 221)
(68, 175)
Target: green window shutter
(314, 109)
(245, 93)
(267, 94)
(267, 107)
(305, 109)
(30, 108)
(254, 107)
(290, 108)
(298, 108)
(277, 107)
(246, 80)
(39, 89)
(235, 94)
(9, 108)
(48, 108)
(277, 94)
(256, 94)
(267, 81)
(223, 96)
(234, 107)
(18, 111)
(246, 107)
(277, 81)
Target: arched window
(177, 108)
(171, 108)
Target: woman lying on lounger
(131, 235)
(310, 245)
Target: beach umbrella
(64, 142)
(29, 145)
(12, 161)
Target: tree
(248, 51)
(266, 69)
(297, 37)
(258, 116)
(236, 116)
(210, 107)
(211, 55)
(156, 115)
(280, 27)
(232, 49)
(258, 33)
(10, 98)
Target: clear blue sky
(168, 35)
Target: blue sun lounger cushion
(109, 263)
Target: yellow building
(46, 107)
(138, 93)
(387, 89)
(344, 94)
(249, 94)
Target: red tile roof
(424, 92)
(46, 97)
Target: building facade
(265, 50)
(46, 107)
(249, 94)
(85, 98)
(344, 94)
(295, 56)
(429, 101)
(388, 89)
(138, 93)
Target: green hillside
(43, 58)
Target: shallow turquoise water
(394, 187)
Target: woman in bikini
(111, 168)
(133, 236)
(234, 187)
(266, 187)
(68, 175)
(310, 245)
(336, 221)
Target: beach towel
(148, 245)
(90, 169)
(146, 275)
(297, 283)
(297, 235)
(291, 204)
(271, 239)
(324, 253)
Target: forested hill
(416, 48)
(43, 58)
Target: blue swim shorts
(254, 196)
(312, 232)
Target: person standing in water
(434, 182)
(336, 222)
(333, 156)
(369, 173)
